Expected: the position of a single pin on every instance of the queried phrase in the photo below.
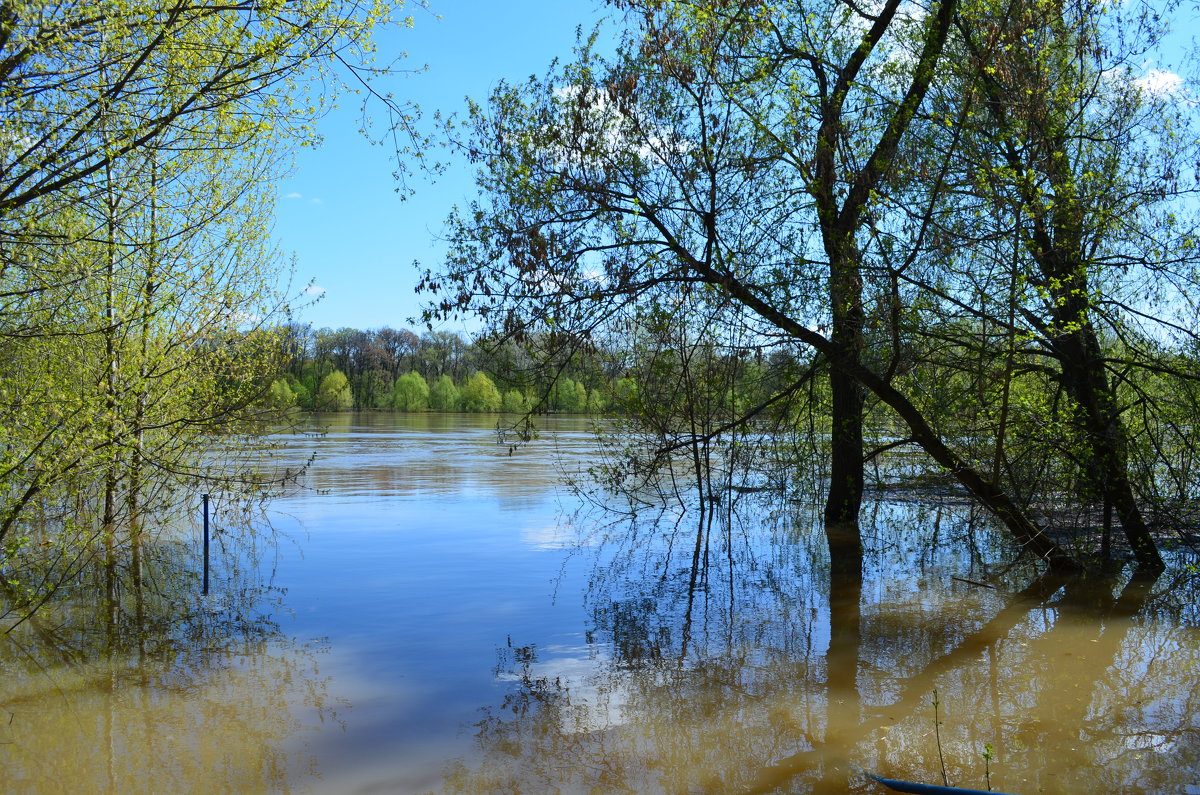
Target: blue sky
(339, 212)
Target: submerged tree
(1095, 170)
(1059, 279)
(789, 167)
(729, 154)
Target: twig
(973, 582)
(938, 734)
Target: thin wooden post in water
(205, 591)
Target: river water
(436, 614)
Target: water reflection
(137, 685)
(751, 671)
(441, 605)
(380, 456)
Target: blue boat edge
(896, 785)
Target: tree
(480, 394)
(597, 401)
(334, 394)
(1083, 157)
(411, 393)
(139, 152)
(568, 395)
(376, 391)
(444, 353)
(176, 349)
(444, 395)
(100, 81)
(689, 174)
(514, 402)
(400, 346)
(281, 394)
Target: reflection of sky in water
(422, 550)
(574, 668)
(462, 627)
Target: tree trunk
(843, 502)
(1085, 380)
(1026, 532)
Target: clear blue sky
(339, 212)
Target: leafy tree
(514, 402)
(411, 393)
(334, 394)
(568, 395)
(400, 348)
(444, 395)
(376, 391)
(281, 394)
(140, 147)
(304, 397)
(444, 352)
(597, 401)
(624, 393)
(731, 159)
(102, 80)
(1081, 159)
(480, 394)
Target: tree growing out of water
(140, 147)
(804, 169)
(1090, 175)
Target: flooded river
(436, 615)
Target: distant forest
(396, 370)
(390, 369)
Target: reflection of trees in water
(747, 670)
(1046, 682)
(407, 454)
(154, 690)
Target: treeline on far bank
(397, 370)
(390, 369)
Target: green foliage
(303, 394)
(334, 393)
(376, 390)
(444, 396)
(597, 402)
(568, 396)
(967, 237)
(625, 394)
(411, 393)
(368, 358)
(480, 394)
(141, 333)
(514, 402)
(281, 394)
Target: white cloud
(610, 130)
(298, 195)
(1160, 81)
(315, 289)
